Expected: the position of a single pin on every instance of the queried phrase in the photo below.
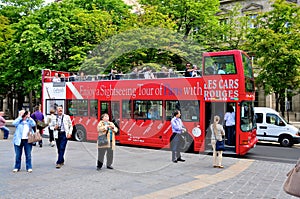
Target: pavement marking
(200, 182)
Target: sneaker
(58, 166)
(98, 168)
(16, 170)
(109, 167)
(29, 170)
(52, 144)
(221, 167)
(181, 160)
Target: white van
(272, 127)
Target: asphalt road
(274, 152)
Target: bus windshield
(247, 116)
(219, 65)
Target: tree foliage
(275, 43)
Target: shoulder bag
(292, 183)
(102, 139)
(220, 145)
(34, 137)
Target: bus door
(112, 108)
(212, 109)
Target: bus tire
(79, 134)
(286, 140)
(187, 143)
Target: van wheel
(286, 141)
(80, 133)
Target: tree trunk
(276, 102)
(282, 102)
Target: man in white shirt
(64, 127)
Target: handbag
(220, 145)
(102, 140)
(41, 124)
(292, 183)
(34, 137)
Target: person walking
(217, 133)
(2, 125)
(108, 128)
(24, 124)
(64, 128)
(229, 120)
(51, 121)
(38, 116)
(177, 128)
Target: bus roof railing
(120, 76)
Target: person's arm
(17, 121)
(2, 120)
(70, 127)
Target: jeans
(51, 136)
(18, 150)
(175, 146)
(6, 132)
(61, 143)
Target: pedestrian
(38, 116)
(217, 134)
(51, 121)
(64, 129)
(177, 128)
(56, 78)
(222, 69)
(195, 71)
(229, 121)
(2, 125)
(24, 125)
(188, 70)
(108, 128)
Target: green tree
(6, 34)
(193, 18)
(233, 30)
(15, 10)
(275, 44)
(58, 37)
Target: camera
(58, 129)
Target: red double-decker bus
(143, 108)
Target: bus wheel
(80, 133)
(187, 143)
(286, 141)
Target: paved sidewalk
(138, 173)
